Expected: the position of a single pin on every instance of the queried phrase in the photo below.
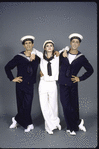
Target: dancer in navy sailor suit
(26, 77)
(70, 65)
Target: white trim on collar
(24, 56)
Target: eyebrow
(28, 42)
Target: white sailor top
(43, 66)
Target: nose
(28, 45)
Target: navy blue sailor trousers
(70, 104)
(24, 100)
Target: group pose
(62, 66)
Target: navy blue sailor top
(67, 69)
(25, 68)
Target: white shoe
(68, 131)
(49, 131)
(59, 127)
(29, 127)
(82, 122)
(14, 123)
(73, 133)
(81, 127)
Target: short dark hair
(75, 38)
(28, 40)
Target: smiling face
(74, 44)
(28, 45)
(49, 47)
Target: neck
(49, 54)
(27, 53)
(73, 51)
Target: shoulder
(18, 56)
(20, 53)
(81, 55)
(56, 57)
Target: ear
(79, 44)
(33, 45)
(23, 45)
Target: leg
(24, 101)
(53, 104)
(69, 100)
(75, 103)
(75, 106)
(65, 101)
(19, 97)
(53, 99)
(46, 107)
(43, 98)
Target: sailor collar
(77, 55)
(23, 55)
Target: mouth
(28, 48)
(74, 46)
(49, 49)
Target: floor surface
(39, 138)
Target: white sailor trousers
(49, 103)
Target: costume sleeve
(63, 60)
(60, 51)
(38, 53)
(89, 70)
(66, 48)
(9, 66)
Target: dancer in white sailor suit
(68, 80)
(49, 65)
(26, 77)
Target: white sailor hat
(47, 41)
(27, 37)
(75, 35)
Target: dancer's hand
(65, 53)
(32, 57)
(41, 74)
(17, 79)
(75, 79)
(56, 53)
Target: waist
(52, 79)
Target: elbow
(6, 68)
(91, 70)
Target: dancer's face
(28, 45)
(49, 47)
(75, 44)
